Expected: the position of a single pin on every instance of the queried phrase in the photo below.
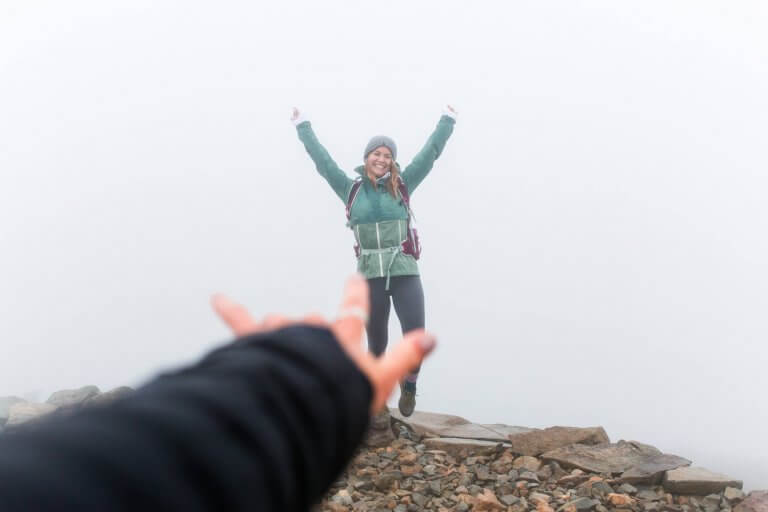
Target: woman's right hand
(295, 115)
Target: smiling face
(379, 162)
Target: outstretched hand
(295, 114)
(348, 327)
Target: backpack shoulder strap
(353, 195)
(404, 194)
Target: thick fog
(595, 248)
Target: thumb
(393, 366)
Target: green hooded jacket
(378, 220)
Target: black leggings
(408, 297)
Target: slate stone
(22, 412)
(5, 405)
(651, 471)
(537, 442)
(72, 397)
(108, 397)
(697, 481)
(609, 458)
(627, 489)
(459, 447)
(581, 504)
(429, 424)
(732, 494)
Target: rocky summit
(441, 462)
(446, 463)
(15, 412)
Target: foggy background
(594, 234)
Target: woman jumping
(379, 213)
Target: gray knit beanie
(377, 142)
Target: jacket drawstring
(389, 250)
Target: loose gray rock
(651, 471)
(108, 397)
(460, 447)
(545, 473)
(22, 412)
(697, 481)
(526, 463)
(732, 493)
(506, 430)
(509, 499)
(482, 472)
(363, 485)
(72, 397)
(538, 497)
(756, 501)
(385, 480)
(537, 442)
(5, 404)
(581, 504)
(529, 476)
(712, 500)
(429, 424)
(342, 498)
(601, 489)
(627, 489)
(647, 494)
(571, 480)
(419, 499)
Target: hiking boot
(407, 401)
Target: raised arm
(422, 163)
(336, 178)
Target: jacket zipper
(378, 242)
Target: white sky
(595, 248)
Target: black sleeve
(265, 423)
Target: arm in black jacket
(265, 423)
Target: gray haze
(595, 232)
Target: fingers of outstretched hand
(393, 366)
(234, 315)
(353, 313)
(273, 322)
(315, 320)
(295, 114)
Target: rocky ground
(446, 463)
(428, 466)
(15, 411)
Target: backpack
(411, 244)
